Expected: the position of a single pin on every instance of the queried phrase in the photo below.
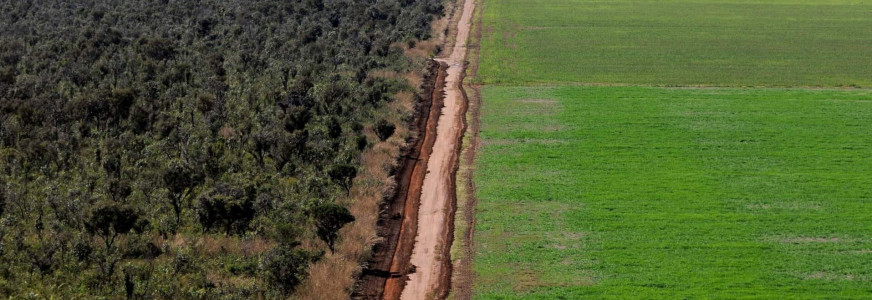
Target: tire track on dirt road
(413, 261)
(431, 253)
(397, 223)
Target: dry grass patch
(821, 275)
(801, 240)
(539, 101)
(333, 277)
(504, 142)
(528, 277)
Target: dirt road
(397, 225)
(414, 260)
(431, 255)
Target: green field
(649, 149)
(640, 192)
(678, 42)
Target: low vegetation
(678, 42)
(190, 149)
(628, 192)
(649, 150)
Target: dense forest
(184, 149)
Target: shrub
(82, 250)
(285, 266)
(227, 208)
(384, 129)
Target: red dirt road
(397, 224)
(414, 260)
(431, 255)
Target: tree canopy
(186, 141)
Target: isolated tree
(43, 258)
(157, 48)
(119, 102)
(361, 142)
(343, 174)
(329, 218)
(334, 129)
(112, 161)
(129, 285)
(82, 250)
(263, 139)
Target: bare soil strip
(397, 224)
(402, 263)
(431, 253)
(413, 261)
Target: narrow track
(397, 224)
(417, 224)
(431, 254)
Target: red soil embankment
(389, 266)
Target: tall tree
(343, 174)
(329, 218)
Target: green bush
(384, 129)
(285, 266)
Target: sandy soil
(389, 266)
(435, 213)
(409, 197)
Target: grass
(645, 192)
(598, 178)
(678, 42)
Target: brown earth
(413, 260)
(401, 264)
(431, 252)
(397, 224)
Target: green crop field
(653, 150)
(678, 42)
(647, 192)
